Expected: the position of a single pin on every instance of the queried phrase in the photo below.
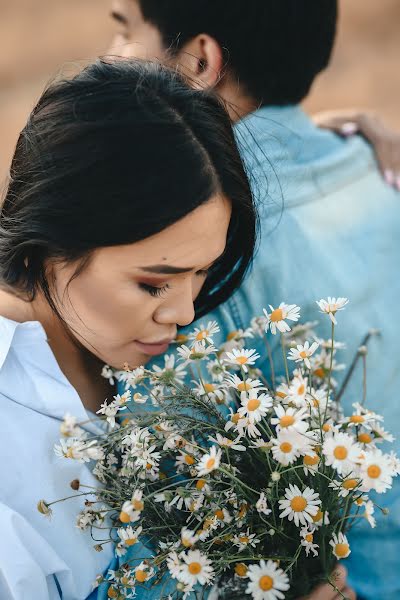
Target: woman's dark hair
(113, 156)
(275, 48)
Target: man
(329, 224)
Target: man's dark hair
(275, 48)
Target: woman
(128, 213)
(127, 207)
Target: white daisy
(130, 511)
(243, 386)
(346, 486)
(369, 511)
(307, 541)
(188, 537)
(341, 452)
(205, 332)
(259, 325)
(267, 581)
(297, 390)
(128, 535)
(225, 442)
(245, 539)
(262, 505)
(340, 545)
(298, 506)
(289, 446)
(242, 358)
(210, 461)
(376, 471)
(197, 352)
(217, 370)
(195, 568)
(289, 418)
(255, 406)
(215, 392)
(143, 572)
(311, 462)
(170, 373)
(331, 306)
(302, 353)
(321, 518)
(276, 319)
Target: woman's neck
(80, 367)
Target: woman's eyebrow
(119, 17)
(166, 269)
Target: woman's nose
(178, 310)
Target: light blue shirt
(330, 226)
(40, 558)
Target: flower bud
(44, 508)
(75, 484)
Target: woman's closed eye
(158, 291)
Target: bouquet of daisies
(238, 483)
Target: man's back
(330, 227)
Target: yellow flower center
(235, 418)
(181, 338)
(317, 517)
(140, 575)
(340, 453)
(243, 511)
(350, 484)
(241, 570)
(326, 427)
(266, 583)
(200, 484)
(125, 581)
(301, 389)
(219, 514)
(281, 395)
(209, 387)
(319, 373)
(287, 421)
(253, 404)
(309, 538)
(137, 504)
(189, 459)
(210, 463)
(194, 568)
(342, 550)
(303, 354)
(231, 336)
(202, 335)
(315, 402)
(243, 539)
(310, 460)
(131, 541)
(298, 503)
(276, 315)
(243, 387)
(112, 593)
(286, 447)
(242, 360)
(356, 419)
(374, 471)
(124, 517)
(364, 438)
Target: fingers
(348, 593)
(385, 141)
(326, 591)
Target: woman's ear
(202, 59)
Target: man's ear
(202, 59)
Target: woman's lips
(153, 349)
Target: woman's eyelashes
(158, 291)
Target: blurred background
(37, 37)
